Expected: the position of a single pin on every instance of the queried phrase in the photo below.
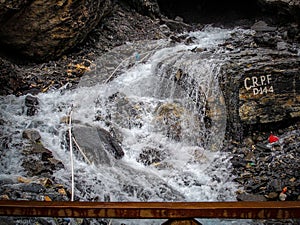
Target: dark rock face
(47, 29)
(97, 144)
(261, 82)
(110, 144)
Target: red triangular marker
(273, 138)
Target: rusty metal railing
(152, 210)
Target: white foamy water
(192, 168)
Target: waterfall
(163, 105)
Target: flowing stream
(159, 99)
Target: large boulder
(43, 30)
(97, 145)
(261, 83)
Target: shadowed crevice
(212, 11)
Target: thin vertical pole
(71, 155)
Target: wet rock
(37, 148)
(24, 180)
(198, 156)
(178, 26)
(55, 163)
(165, 29)
(169, 117)
(31, 102)
(262, 147)
(32, 135)
(158, 188)
(46, 182)
(33, 188)
(35, 167)
(150, 156)
(125, 112)
(265, 40)
(5, 181)
(97, 144)
(293, 32)
(110, 143)
(39, 160)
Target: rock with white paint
(261, 85)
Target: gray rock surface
(97, 144)
(261, 83)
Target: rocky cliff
(261, 80)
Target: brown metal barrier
(153, 210)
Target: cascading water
(165, 108)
